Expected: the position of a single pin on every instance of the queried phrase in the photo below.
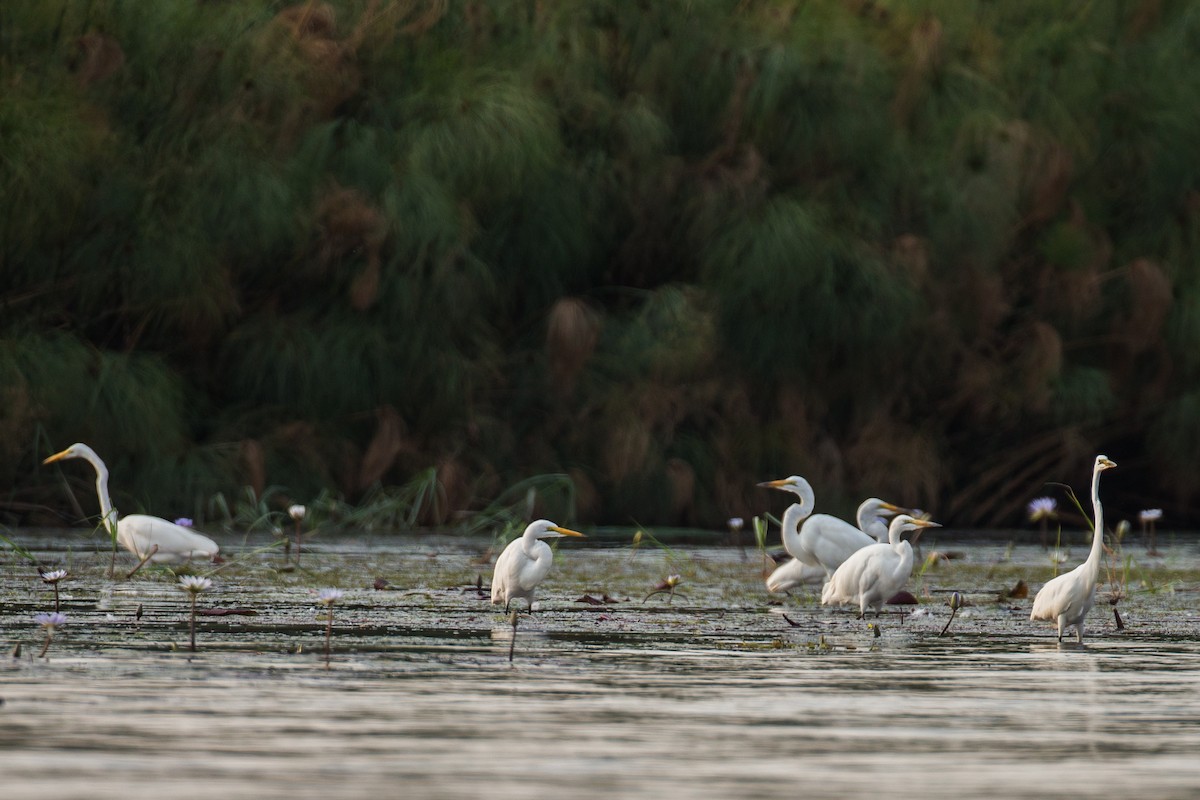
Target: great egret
(525, 563)
(148, 538)
(1069, 597)
(823, 540)
(793, 574)
(871, 575)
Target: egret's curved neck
(789, 527)
(894, 536)
(529, 540)
(1093, 559)
(870, 523)
(866, 517)
(107, 512)
(807, 499)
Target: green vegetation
(418, 251)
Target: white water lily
(194, 584)
(327, 597)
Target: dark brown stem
(46, 646)
(193, 625)
(142, 563)
(56, 596)
(328, 634)
(953, 611)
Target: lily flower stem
(953, 611)
(46, 646)
(328, 634)
(193, 623)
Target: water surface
(714, 694)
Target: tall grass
(934, 251)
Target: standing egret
(822, 540)
(798, 571)
(1069, 597)
(525, 563)
(873, 574)
(149, 538)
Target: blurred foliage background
(938, 251)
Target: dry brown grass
(1151, 295)
(572, 331)
(351, 229)
(925, 47)
(912, 254)
(389, 441)
(97, 57)
(903, 462)
(682, 480)
(1038, 361)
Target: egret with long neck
(149, 538)
(796, 572)
(1068, 598)
(822, 540)
(525, 563)
(872, 575)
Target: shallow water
(714, 694)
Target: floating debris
(226, 612)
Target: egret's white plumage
(792, 574)
(141, 534)
(824, 541)
(525, 563)
(873, 574)
(1068, 598)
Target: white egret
(823, 540)
(525, 563)
(793, 574)
(1068, 598)
(148, 538)
(873, 574)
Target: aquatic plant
(955, 602)
(50, 621)
(194, 585)
(297, 513)
(759, 524)
(23, 552)
(1041, 510)
(666, 586)
(328, 598)
(1149, 518)
(53, 577)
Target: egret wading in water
(872, 575)
(1068, 598)
(525, 563)
(149, 538)
(823, 541)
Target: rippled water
(712, 695)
